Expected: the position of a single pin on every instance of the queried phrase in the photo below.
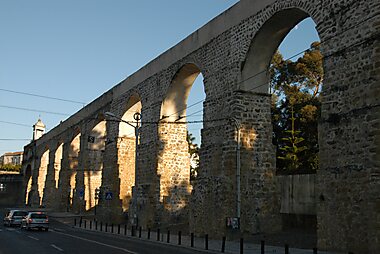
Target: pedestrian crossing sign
(108, 195)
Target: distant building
(14, 158)
(38, 129)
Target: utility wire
(34, 110)
(14, 139)
(250, 77)
(287, 59)
(42, 96)
(19, 124)
(339, 51)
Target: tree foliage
(194, 156)
(296, 106)
(10, 168)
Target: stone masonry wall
(259, 199)
(126, 162)
(347, 187)
(173, 171)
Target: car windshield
(38, 216)
(20, 213)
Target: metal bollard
(223, 244)
(75, 221)
(168, 237)
(148, 233)
(262, 246)
(90, 224)
(179, 237)
(106, 227)
(241, 245)
(96, 225)
(101, 226)
(286, 248)
(125, 229)
(158, 234)
(112, 228)
(85, 224)
(80, 222)
(139, 232)
(118, 229)
(192, 240)
(206, 242)
(315, 250)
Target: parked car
(38, 220)
(14, 217)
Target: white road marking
(33, 238)
(91, 241)
(11, 229)
(56, 247)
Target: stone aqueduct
(232, 52)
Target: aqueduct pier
(233, 51)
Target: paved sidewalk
(214, 246)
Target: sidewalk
(199, 243)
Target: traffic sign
(108, 195)
(81, 194)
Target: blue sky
(78, 50)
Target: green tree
(296, 105)
(194, 156)
(291, 147)
(10, 168)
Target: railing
(191, 241)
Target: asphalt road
(64, 239)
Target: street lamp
(237, 125)
(137, 117)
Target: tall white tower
(38, 129)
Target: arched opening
(295, 85)
(42, 172)
(194, 117)
(73, 156)
(255, 72)
(28, 183)
(175, 141)
(126, 147)
(94, 163)
(57, 163)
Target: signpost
(81, 194)
(97, 197)
(108, 195)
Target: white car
(14, 217)
(38, 220)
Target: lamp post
(237, 126)
(137, 117)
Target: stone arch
(42, 173)
(173, 168)
(72, 161)
(58, 162)
(96, 141)
(126, 149)
(254, 86)
(27, 183)
(255, 74)
(175, 103)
